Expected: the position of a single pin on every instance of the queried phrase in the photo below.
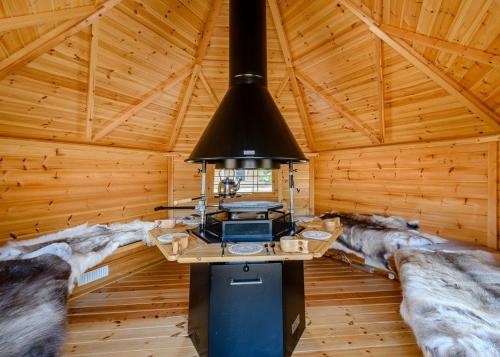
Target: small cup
(289, 244)
(331, 224)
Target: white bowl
(167, 238)
(165, 223)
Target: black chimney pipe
(247, 42)
(247, 130)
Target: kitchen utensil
(267, 248)
(331, 224)
(272, 244)
(245, 248)
(318, 235)
(180, 243)
(223, 245)
(227, 186)
(290, 244)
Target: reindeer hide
(83, 246)
(376, 238)
(33, 306)
(451, 300)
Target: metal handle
(186, 200)
(159, 208)
(257, 281)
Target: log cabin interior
(249, 178)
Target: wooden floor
(349, 313)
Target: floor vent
(93, 275)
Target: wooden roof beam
(171, 82)
(17, 22)
(358, 123)
(209, 89)
(331, 48)
(94, 44)
(428, 68)
(379, 68)
(183, 107)
(51, 39)
(201, 51)
(282, 86)
(297, 92)
(443, 45)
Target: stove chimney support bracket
(291, 185)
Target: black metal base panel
(246, 310)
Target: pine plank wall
(47, 187)
(450, 187)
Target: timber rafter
(427, 67)
(336, 105)
(200, 55)
(52, 38)
(168, 84)
(94, 39)
(297, 92)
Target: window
(260, 180)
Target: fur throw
(451, 300)
(33, 306)
(83, 246)
(375, 238)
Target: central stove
(246, 221)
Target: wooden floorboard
(348, 313)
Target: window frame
(212, 187)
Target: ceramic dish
(319, 235)
(167, 238)
(245, 248)
(165, 223)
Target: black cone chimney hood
(247, 130)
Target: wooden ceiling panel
(142, 43)
(138, 41)
(465, 23)
(330, 129)
(417, 108)
(16, 37)
(288, 107)
(349, 78)
(48, 94)
(199, 112)
(309, 24)
(155, 120)
(172, 21)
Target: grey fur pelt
(33, 306)
(83, 246)
(451, 300)
(375, 238)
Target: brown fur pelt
(451, 300)
(33, 306)
(375, 238)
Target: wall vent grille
(93, 275)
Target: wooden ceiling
(150, 73)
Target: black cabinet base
(244, 310)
